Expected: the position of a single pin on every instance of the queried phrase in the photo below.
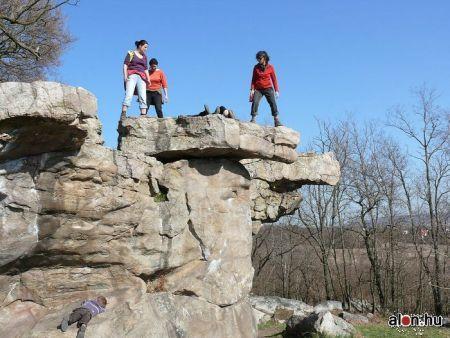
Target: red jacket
(263, 79)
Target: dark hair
(140, 43)
(102, 301)
(262, 53)
(153, 61)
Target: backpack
(131, 54)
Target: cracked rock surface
(164, 233)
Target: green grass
(272, 329)
(271, 324)
(160, 197)
(373, 330)
(383, 330)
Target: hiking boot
(123, 115)
(81, 331)
(277, 122)
(205, 112)
(231, 114)
(64, 324)
(253, 120)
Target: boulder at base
(322, 323)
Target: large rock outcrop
(212, 136)
(44, 117)
(162, 227)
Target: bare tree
(321, 210)
(402, 169)
(274, 257)
(366, 194)
(428, 128)
(390, 187)
(263, 248)
(32, 38)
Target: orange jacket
(157, 79)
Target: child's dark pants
(154, 98)
(80, 315)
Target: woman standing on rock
(155, 89)
(264, 81)
(135, 76)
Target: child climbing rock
(82, 315)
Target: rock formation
(161, 227)
(208, 136)
(274, 190)
(301, 319)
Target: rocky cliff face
(161, 227)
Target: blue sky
(332, 57)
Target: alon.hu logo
(401, 320)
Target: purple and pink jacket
(137, 66)
(93, 307)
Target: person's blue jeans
(135, 81)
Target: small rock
(270, 304)
(446, 322)
(261, 317)
(329, 305)
(354, 318)
(282, 314)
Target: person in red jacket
(264, 83)
(157, 85)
